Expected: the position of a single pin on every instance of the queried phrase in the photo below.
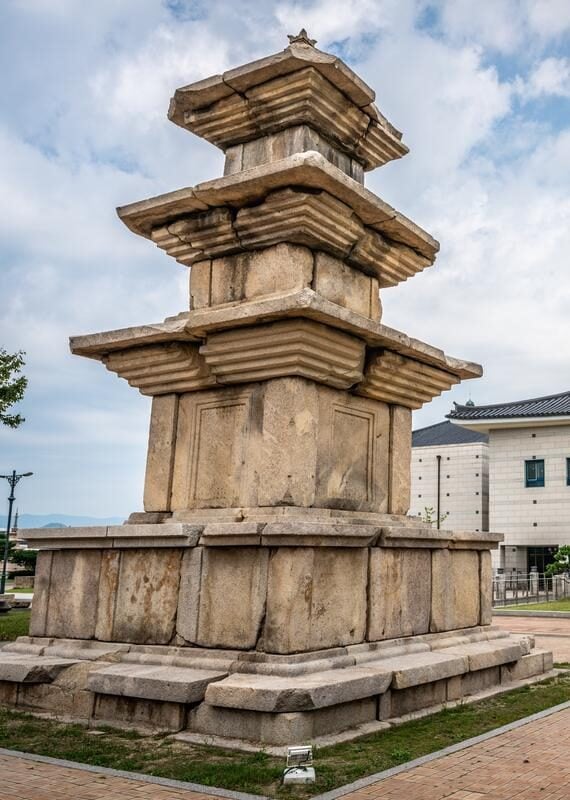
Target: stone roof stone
(299, 85)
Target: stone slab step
(482, 655)
(272, 693)
(24, 668)
(298, 693)
(151, 682)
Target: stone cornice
(308, 170)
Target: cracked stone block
(456, 590)
(316, 599)
(147, 596)
(231, 601)
(399, 593)
(74, 585)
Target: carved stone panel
(211, 446)
(354, 444)
(287, 441)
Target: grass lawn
(13, 624)
(260, 773)
(19, 591)
(554, 605)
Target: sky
(481, 91)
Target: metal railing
(529, 587)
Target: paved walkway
(531, 762)
(528, 763)
(21, 779)
(552, 633)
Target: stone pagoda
(273, 590)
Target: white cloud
(83, 128)
(551, 76)
(548, 18)
(512, 27)
(338, 20)
(498, 25)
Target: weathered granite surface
(273, 589)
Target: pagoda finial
(301, 38)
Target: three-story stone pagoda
(274, 589)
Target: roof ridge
(512, 402)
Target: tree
(561, 561)
(26, 559)
(12, 386)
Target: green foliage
(430, 516)
(23, 558)
(12, 386)
(13, 624)
(554, 605)
(561, 561)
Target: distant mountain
(59, 520)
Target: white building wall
(537, 516)
(464, 484)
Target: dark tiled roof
(446, 433)
(555, 405)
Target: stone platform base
(252, 697)
(366, 728)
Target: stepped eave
(299, 85)
(304, 170)
(196, 325)
(207, 91)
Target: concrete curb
(134, 776)
(454, 748)
(513, 612)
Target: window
(534, 472)
(568, 472)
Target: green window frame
(534, 473)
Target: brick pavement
(552, 633)
(531, 762)
(528, 763)
(21, 779)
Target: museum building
(450, 474)
(529, 476)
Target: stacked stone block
(273, 588)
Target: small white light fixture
(299, 767)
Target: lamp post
(12, 480)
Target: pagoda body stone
(273, 588)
